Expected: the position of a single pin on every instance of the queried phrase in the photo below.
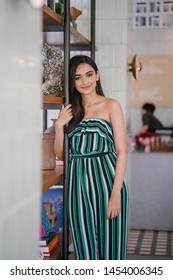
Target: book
(44, 241)
(50, 246)
(55, 251)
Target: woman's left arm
(119, 133)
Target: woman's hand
(65, 115)
(114, 205)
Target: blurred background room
(133, 48)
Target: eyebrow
(91, 71)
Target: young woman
(97, 194)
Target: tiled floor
(148, 243)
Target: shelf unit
(52, 99)
(54, 23)
(69, 39)
(50, 103)
(52, 177)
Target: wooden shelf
(52, 177)
(77, 38)
(51, 19)
(52, 99)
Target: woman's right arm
(64, 117)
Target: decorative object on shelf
(59, 8)
(48, 154)
(74, 12)
(51, 129)
(52, 70)
(135, 66)
(51, 4)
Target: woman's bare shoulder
(112, 103)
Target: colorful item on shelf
(52, 70)
(54, 196)
(50, 248)
(45, 223)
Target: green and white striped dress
(90, 180)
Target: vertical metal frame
(93, 8)
(66, 149)
(44, 119)
(66, 94)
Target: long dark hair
(75, 96)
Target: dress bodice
(92, 136)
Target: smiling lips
(85, 87)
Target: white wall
(111, 44)
(20, 102)
(151, 41)
(111, 47)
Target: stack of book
(48, 244)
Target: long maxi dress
(91, 175)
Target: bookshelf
(52, 99)
(53, 25)
(59, 33)
(51, 177)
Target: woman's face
(85, 79)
